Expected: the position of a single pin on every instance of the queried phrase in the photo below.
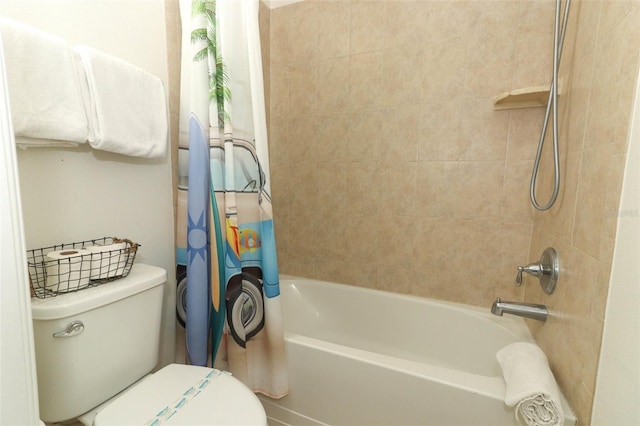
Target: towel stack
(64, 96)
(531, 387)
(44, 87)
(127, 108)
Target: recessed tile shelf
(528, 97)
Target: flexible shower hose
(552, 104)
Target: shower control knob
(535, 269)
(546, 270)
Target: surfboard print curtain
(233, 313)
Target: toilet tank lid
(142, 277)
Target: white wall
(18, 398)
(617, 395)
(77, 194)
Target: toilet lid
(185, 395)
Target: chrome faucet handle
(546, 270)
(535, 269)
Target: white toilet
(100, 342)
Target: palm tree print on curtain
(232, 299)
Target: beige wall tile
(590, 198)
(400, 133)
(331, 131)
(395, 183)
(481, 194)
(362, 238)
(329, 238)
(299, 265)
(363, 274)
(402, 23)
(437, 188)
(279, 26)
(444, 69)
(366, 80)
(574, 99)
(398, 279)
(444, 20)
(491, 48)
(614, 12)
(333, 85)
(604, 274)
(402, 83)
(525, 126)
(515, 194)
(303, 234)
(302, 138)
(484, 132)
(334, 18)
(362, 189)
(533, 56)
(278, 145)
(559, 219)
(303, 88)
(279, 90)
(396, 241)
(433, 246)
(441, 133)
(585, 17)
(363, 139)
(303, 188)
(303, 33)
(328, 269)
(331, 189)
(612, 195)
(367, 18)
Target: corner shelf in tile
(528, 97)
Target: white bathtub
(366, 357)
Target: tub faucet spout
(526, 310)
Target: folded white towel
(531, 387)
(128, 111)
(44, 87)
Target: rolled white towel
(531, 387)
(44, 87)
(127, 106)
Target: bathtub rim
(493, 387)
(513, 325)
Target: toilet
(96, 347)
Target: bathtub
(366, 357)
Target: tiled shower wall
(390, 168)
(599, 75)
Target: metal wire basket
(71, 267)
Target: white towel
(128, 111)
(44, 87)
(531, 387)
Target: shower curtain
(232, 297)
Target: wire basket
(71, 267)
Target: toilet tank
(117, 344)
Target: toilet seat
(185, 395)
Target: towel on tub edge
(127, 106)
(531, 387)
(45, 92)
